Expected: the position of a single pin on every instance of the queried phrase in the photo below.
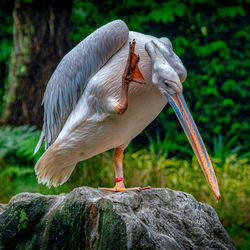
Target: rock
(89, 218)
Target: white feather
(93, 127)
(69, 80)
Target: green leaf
(231, 11)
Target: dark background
(211, 38)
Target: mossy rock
(88, 218)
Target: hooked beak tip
(218, 198)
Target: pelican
(103, 93)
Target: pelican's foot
(131, 73)
(120, 189)
(117, 189)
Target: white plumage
(80, 102)
(93, 126)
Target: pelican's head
(168, 73)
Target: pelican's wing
(70, 78)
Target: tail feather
(54, 168)
(39, 144)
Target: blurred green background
(213, 40)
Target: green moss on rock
(88, 218)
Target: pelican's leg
(131, 74)
(119, 179)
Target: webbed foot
(131, 73)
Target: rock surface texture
(88, 218)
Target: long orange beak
(179, 105)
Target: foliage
(148, 166)
(212, 39)
(16, 152)
(19, 142)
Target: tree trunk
(40, 41)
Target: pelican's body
(93, 127)
(89, 107)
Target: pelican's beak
(179, 105)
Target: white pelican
(94, 101)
